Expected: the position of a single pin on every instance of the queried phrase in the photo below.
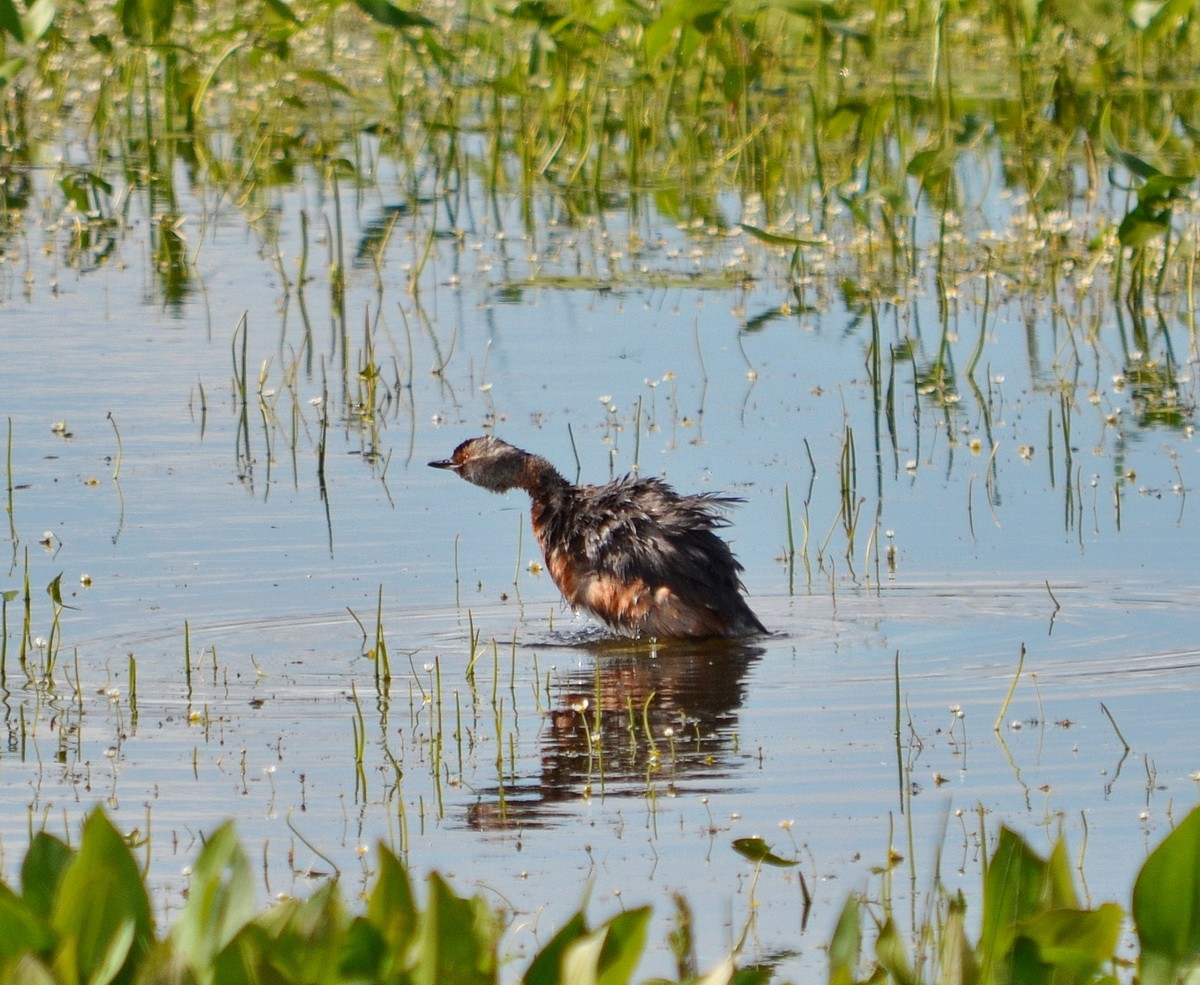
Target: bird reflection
(633, 720)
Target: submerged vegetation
(83, 915)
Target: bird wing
(641, 528)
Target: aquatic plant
(83, 914)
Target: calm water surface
(513, 747)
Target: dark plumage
(634, 553)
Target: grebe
(634, 553)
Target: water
(514, 748)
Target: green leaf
(100, 900)
(955, 957)
(459, 939)
(775, 239)
(220, 900)
(10, 67)
(37, 19)
(307, 945)
(546, 966)
(1166, 905)
(1140, 226)
(391, 909)
(10, 20)
(325, 79)
(54, 590)
(1076, 941)
(845, 945)
(624, 939)
(892, 957)
(146, 21)
(1060, 885)
(364, 952)
(246, 960)
(1015, 887)
(930, 163)
(114, 955)
(582, 958)
(391, 15)
(1131, 162)
(21, 932)
(41, 872)
(758, 852)
(281, 9)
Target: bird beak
(447, 463)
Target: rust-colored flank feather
(634, 553)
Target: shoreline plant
(83, 914)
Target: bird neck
(541, 479)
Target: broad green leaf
(220, 900)
(1134, 164)
(146, 21)
(546, 966)
(54, 590)
(247, 953)
(458, 941)
(36, 20)
(114, 955)
(364, 952)
(307, 946)
(10, 68)
(1166, 904)
(1061, 886)
(1076, 942)
(281, 9)
(391, 909)
(624, 939)
(927, 163)
(41, 872)
(391, 15)
(845, 945)
(582, 958)
(1015, 886)
(21, 932)
(75, 191)
(1163, 186)
(757, 851)
(1141, 226)
(956, 960)
(10, 20)
(100, 893)
(891, 954)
